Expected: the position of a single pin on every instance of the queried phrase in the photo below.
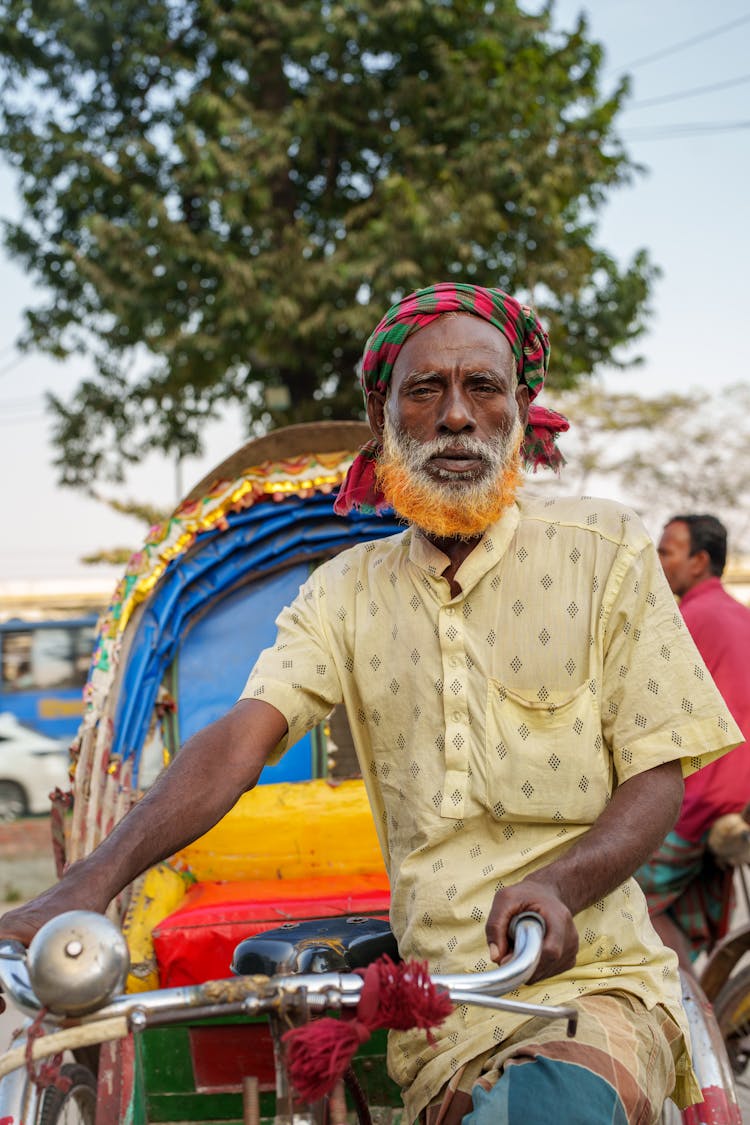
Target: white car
(31, 766)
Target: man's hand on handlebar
(560, 940)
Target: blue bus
(43, 667)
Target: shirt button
(456, 716)
(450, 611)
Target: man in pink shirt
(687, 891)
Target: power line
(686, 129)
(690, 93)
(13, 363)
(692, 126)
(685, 43)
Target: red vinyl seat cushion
(196, 942)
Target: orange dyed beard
(449, 509)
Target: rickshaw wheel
(732, 1011)
(77, 1106)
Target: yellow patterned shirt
(491, 728)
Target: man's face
(451, 426)
(680, 567)
(455, 376)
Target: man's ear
(376, 413)
(522, 399)
(700, 565)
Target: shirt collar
(488, 551)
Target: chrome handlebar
(255, 995)
(14, 976)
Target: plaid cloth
(619, 1068)
(683, 880)
(523, 331)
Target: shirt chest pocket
(546, 758)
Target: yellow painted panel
(159, 893)
(289, 830)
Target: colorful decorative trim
(168, 541)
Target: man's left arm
(636, 820)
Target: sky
(687, 122)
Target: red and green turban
(529, 344)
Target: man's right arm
(209, 774)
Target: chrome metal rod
(263, 994)
(502, 1003)
(14, 976)
(505, 978)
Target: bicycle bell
(77, 962)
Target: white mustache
(474, 447)
(417, 454)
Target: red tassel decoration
(399, 996)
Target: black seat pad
(316, 945)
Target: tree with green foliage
(221, 197)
